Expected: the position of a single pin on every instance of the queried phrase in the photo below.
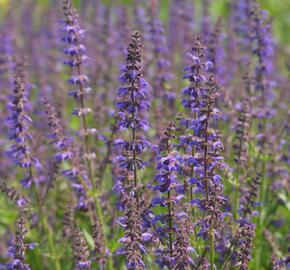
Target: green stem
(44, 223)
(211, 246)
(262, 198)
(236, 193)
(51, 243)
(105, 162)
(170, 224)
(263, 210)
(90, 167)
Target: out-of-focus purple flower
(17, 250)
(280, 263)
(181, 27)
(80, 250)
(240, 22)
(159, 57)
(140, 15)
(216, 53)
(21, 152)
(206, 19)
(133, 239)
(58, 139)
(19, 121)
(159, 70)
(263, 49)
(14, 195)
(248, 200)
(78, 177)
(242, 242)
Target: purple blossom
(166, 179)
(203, 145)
(58, 139)
(19, 121)
(17, 250)
(131, 105)
(21, 152)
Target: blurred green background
(279, 11)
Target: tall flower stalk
(167, 185)
(241, 147)
(241, 245)
(21, 152)
(73, 37)
(58, 139)
(133, 239)
(240, 24)
(194, 73)
(161, 71)
(80, 250)
(17, 250)
(131, 105)
(263, 51)
(205, 140)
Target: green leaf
(89, 238)
(282, 195)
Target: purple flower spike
(132, 105)
(20, 152)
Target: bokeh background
(278, 9)
(11, 12)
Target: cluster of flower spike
(174, 197)
(80, 249)
(57, 136)
(203, 161)
(133, 239)
(241, 15)
(161, 86)
(17, 250)
(167, 184)
(76, 59)
(65, 150)
(21, 152)
(131, 105)
(263, 50)
(75, 50)
(242, 133)
(242, 243)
